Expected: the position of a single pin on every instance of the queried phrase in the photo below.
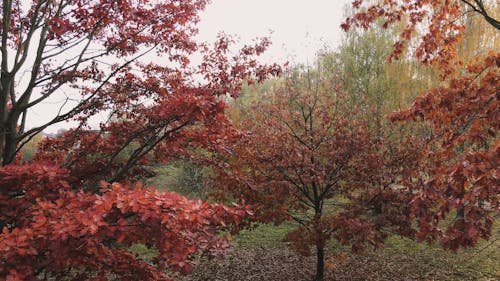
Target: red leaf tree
(307, 156)
(57, 217)
(443, 24)
(458, 172)
(53, 231)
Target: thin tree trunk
(320, 261)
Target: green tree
(361, 62)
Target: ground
(260, 254)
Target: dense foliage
(309, 156)
(459, 169)
(64, 212)
(314, 149)
(60, 233)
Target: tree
(459, 170)
(94, 47)
(73, 210)
(459, 166)
(369, 81)
(444, 27)
(53, 231)
(307, 156)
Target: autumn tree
(54, 232)
(73, 210)
(458, 171)
(360, 62)
(305, 155)
(443, 21)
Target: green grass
(263, 235)
(144, 253)
(164, 179)
(420, 260)
(417, 261)
(172, 177)
(482, 261)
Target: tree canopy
(73, 210)
(459, 167)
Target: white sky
(299, 29)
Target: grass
(174, 177)
(144, 253)
(399, 259)
(482, 261)
(264, 235)
(164, 178)
(412, 260)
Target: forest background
(307, 148)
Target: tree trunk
(10, 143)
(320, 261)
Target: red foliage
(459, 170)
(441, 21)
(310, 158)
(55, 216)
(57, 228)
(90, 52)
(460, 164)
(183, 114)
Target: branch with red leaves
(59, 231)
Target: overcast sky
(298, 30)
